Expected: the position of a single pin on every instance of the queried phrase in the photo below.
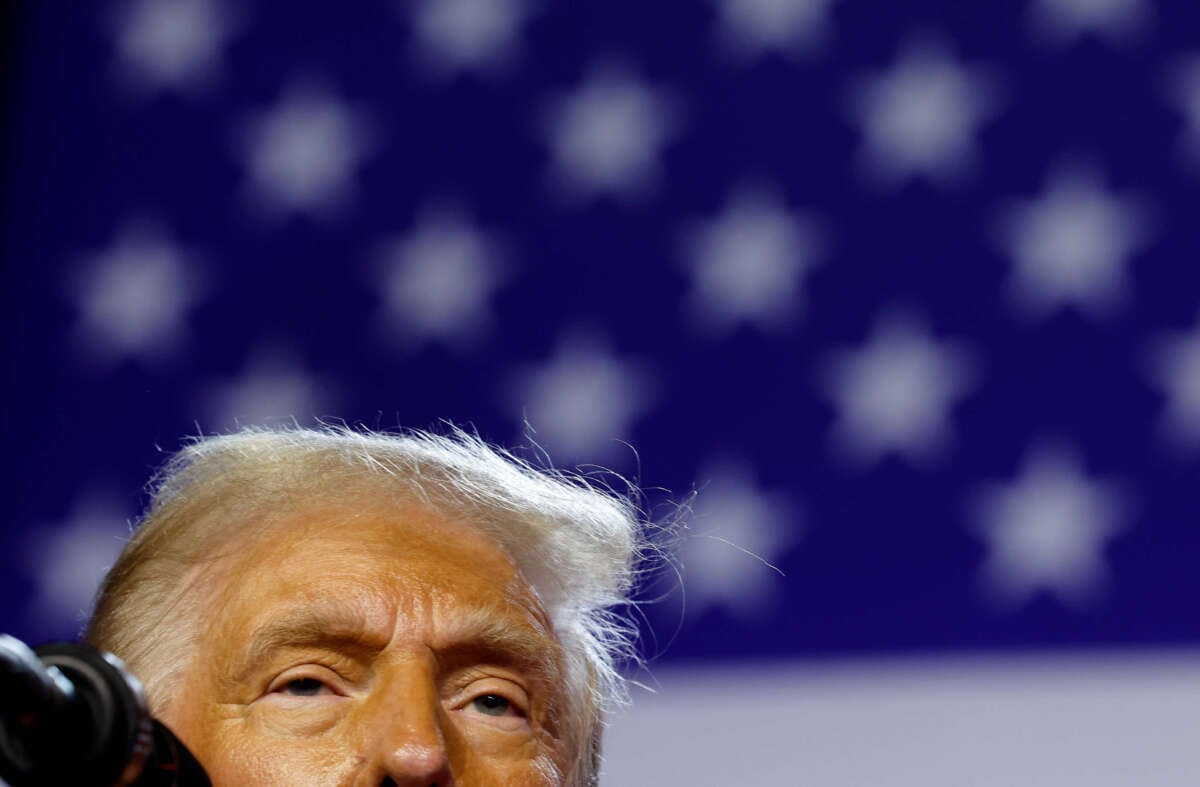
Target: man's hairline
(207, 578)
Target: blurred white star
(172, 44)
(68, 560)
(302, 154)
(438, 281)
(1047, 531)
(1175, 366)
(1071, 245)
(582, 401)
(133, 299)
(747, 264)
(274, 388)
(920, 118)
(737, 533)
(605, 138)
(464, 35)
(1183, 89)
(894, 394)
(1065, 21)
(750, 28)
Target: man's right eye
(303, 687)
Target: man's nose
(404, 730)
(416, 765)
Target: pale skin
(382, 645)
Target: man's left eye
(492, 705)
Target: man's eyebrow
(499, 634)
(494, 633)
(337, 628)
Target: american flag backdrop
(907, 292)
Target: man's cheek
(485, 756)
(283, 720)
(262, 752)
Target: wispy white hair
(577, 543)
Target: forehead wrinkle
(387, 602)
(347, 624)
(376, 621)
(508, 631)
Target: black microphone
(73, 715)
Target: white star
(582, 401)
(438, 281)
(69, 559)
(1047, 531)
(920, 118)
(1064, 21)
(894, 395)
(737, 533)
(172, 44)
(746, 265)
(749, 28)
(1070, 246)
(462, 35)
(302, 154)
(273, 389)
(605, 137)
(133, 298)
(1175, 366)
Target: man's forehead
(441, 623)
(328, 536)
(379, 575)
(359, 629)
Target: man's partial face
(354, 648)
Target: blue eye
(491, 704)
(303, 687)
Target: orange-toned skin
(353, 648)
